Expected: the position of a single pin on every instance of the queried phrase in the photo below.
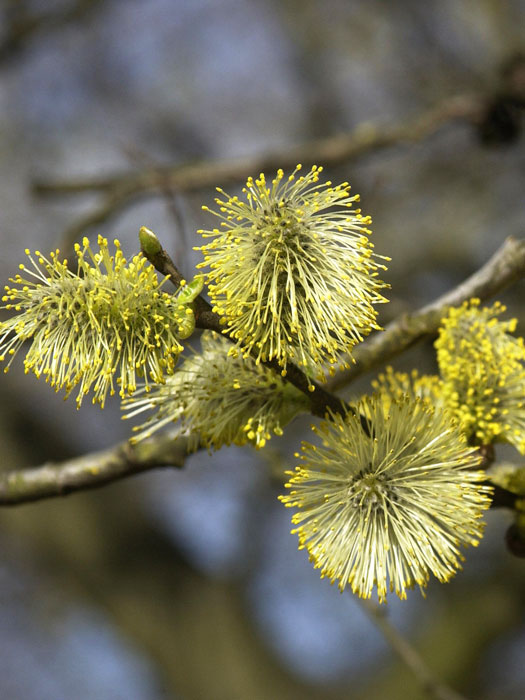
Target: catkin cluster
(393, 490)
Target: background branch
(115, 201)
(121, 190)
(366, 138)
(505, 267)
(434, 687)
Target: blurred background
(187, 584)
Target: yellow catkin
(219, 399)
(99, 329)
(483, 374)
(290, 269)
(387, 513)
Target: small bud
(149, 242)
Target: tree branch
(97, 469)
(116, 200)
(505, 267)
(206, 319)
(123, 460)
(92, 470)
(433, 686)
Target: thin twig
(506, 266)
(433, 686)
(92, 470)
(115, 201)
(320, 399)
(171, 196)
